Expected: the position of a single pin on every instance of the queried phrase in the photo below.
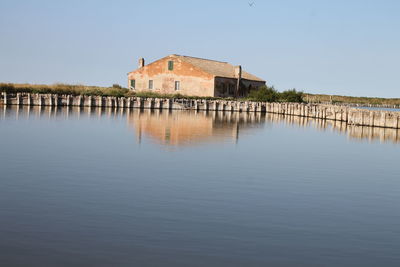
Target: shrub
(7, 87)
(264, 94)
(291, 96)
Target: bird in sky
(251, 4)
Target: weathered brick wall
(193, 81)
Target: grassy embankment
(265, 94)
(319, 98)
(68, 89)
(63, 89)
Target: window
(133, 83)
(230, 89)
(150, 84)
(177, 85)
(170, 65)
(223, 88)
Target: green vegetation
(269, 94)
(338, 99)
(264, 94)
(68, 89)
(291, 96)
(148, 94)
(63, 89)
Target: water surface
(104, 187)
(380, 108)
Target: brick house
(192, 76)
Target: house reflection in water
(180, 128)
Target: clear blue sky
(341, 47)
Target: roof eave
(252, 80)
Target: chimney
(141, 62)
(238, 74)
(238, 71)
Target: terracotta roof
(217, 68)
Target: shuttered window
(177, 85)
(170, 65)
(150, 84)
(133, 83)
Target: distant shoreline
(352, 100)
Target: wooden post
(89, 101)
(214, 106)
(156, 103)
(208, 105)
(99, 101)
(40, 100)
(29, 100)
(383, 119)
(139, 102)
(222, 106)
(362, 118)
(149, 103)
(246, 106)
(18, 98)
(255, 107)
(50, 99)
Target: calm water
(83, 187)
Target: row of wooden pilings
(364, 117)
(131, 102)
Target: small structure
(193, 76)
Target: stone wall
(351, 116)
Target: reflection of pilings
(352, 131)
(39, 111)
(99, 111)
(17, 113)
(50, 112)
(67, 110)
(219, 119)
